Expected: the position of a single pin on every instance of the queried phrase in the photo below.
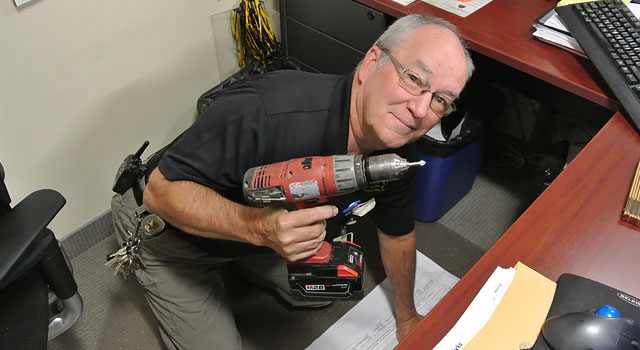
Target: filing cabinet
(329, 36)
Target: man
(407, 81)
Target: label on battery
(355, 257)
(314, 287)
(305, 189)
(328, 288)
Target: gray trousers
(183, 285)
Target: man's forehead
(423, 68)
(435, 50)
(429, 45)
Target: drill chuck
(388, 167)
(356, 172)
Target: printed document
(462, 8)
(370, 325)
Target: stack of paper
(507, 313)
(550, 29)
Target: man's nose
(420, 105)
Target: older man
(406, 82)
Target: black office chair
(39, 298)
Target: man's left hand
(405, 326)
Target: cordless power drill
(335, 272)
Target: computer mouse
(587, 331)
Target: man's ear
(369, 63)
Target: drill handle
(323, 255)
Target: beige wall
(84, 83)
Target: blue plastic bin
(448, 175)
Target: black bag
(253, 67)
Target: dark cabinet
(329, 36)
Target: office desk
(575, 225)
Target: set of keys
(127, 259)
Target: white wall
(84, 83)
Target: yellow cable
(253, 33)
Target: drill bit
(418, 163)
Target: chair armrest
(21, 226)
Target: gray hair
(397, 34)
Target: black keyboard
(609, 34)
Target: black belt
(138, 191)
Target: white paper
(404, 2)
(461, 8)
(21, 2)
(556, 22)
(370, 325)
(635, 9)
(556, 38)
(436, 131)
(479, 311)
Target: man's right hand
(298, 234)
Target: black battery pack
(336, 272)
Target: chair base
(71, 310)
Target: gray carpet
(487, 211)
(116, 315)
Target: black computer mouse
(587, 331)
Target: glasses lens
(441, 105)
(411, 82)
(443, 109)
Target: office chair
(39, 298)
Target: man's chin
(399, 141)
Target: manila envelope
(516, 322)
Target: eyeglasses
(415, 85)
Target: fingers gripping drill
(336, 271)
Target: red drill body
(336, 272)
(307, 182)
(304, 182)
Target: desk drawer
(319, 51)
(346, 20)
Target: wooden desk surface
(502, 30)
(573, 227)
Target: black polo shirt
(270, 118)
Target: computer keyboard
(609, 34)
